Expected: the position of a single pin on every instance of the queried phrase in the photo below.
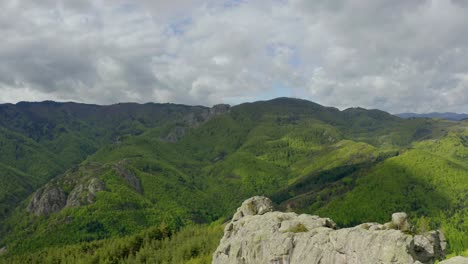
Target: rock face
(257, 234)
(193, 120)
(219, 109)
(47, 200)
(84, 194)
(79, 187)
(52, 198)
(129, 176)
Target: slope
(304, 155)
(41, 140)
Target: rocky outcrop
(75, 197)
(84, 194)
(52, 198)
(175, 134)
(47, 200)
(79, 187)
(455, 260)
(219, 109)
(257, 234)
(3, 250)
(128, 176)
(254, 206)
(193, 120)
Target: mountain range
(447, 116)
(155, 182)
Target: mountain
(446, 116)
(132, 182)
(42, 140)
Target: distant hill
(446, 116)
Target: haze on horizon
(398, 56)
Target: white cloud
(393, 55)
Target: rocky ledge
(257, 234)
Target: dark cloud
(393, 55)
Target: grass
(300, 228)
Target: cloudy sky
(395, 55)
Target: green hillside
(174, 167)
(40, 141)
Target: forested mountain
(134, 183)
(42, 140)
(447, 116)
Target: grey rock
(429, 244)
(84, 194)
(175, 134)
(376, 227)
(47, 200)
(219, 109)
(400, 221)
(95, 185)
(129, 176)
(442, 240)
(76, 187)
(74, 198)
(257, 205)
(455, 260)
(193, 120)
(372, 226)
(257, 234)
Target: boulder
(257, 234)
(257, 205)
(400, 221)
(429, 244)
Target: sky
(394, 55)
